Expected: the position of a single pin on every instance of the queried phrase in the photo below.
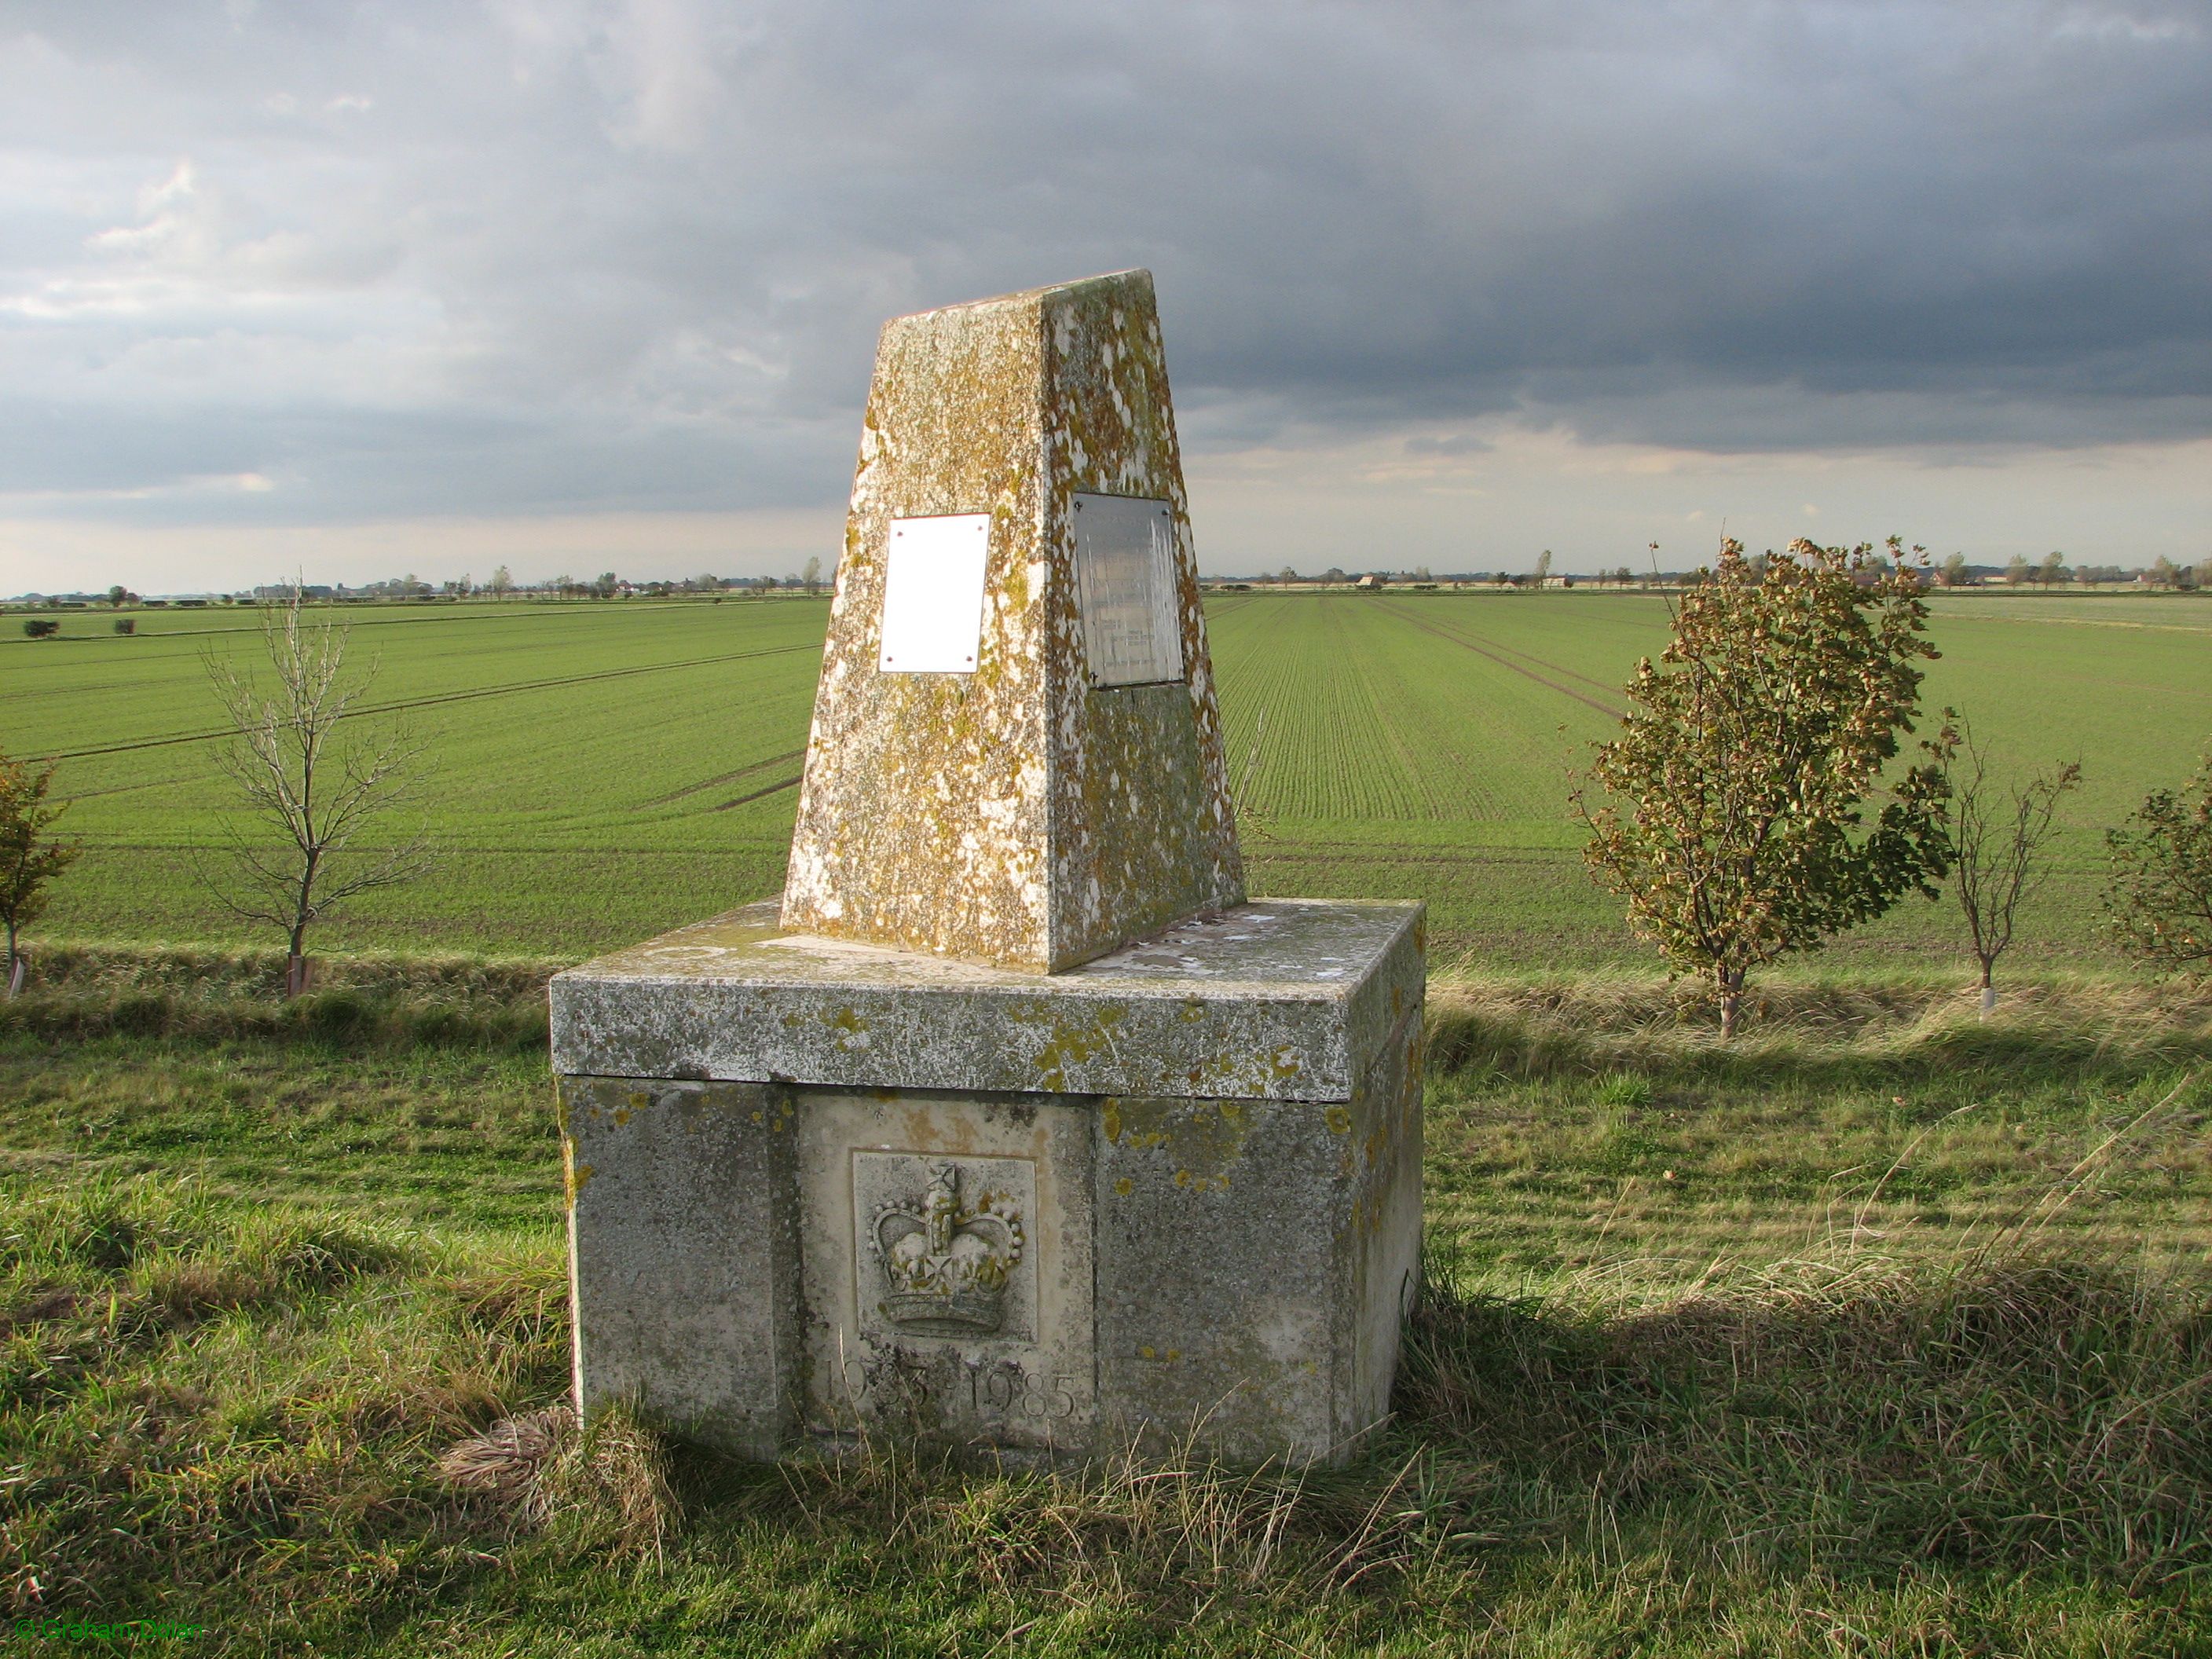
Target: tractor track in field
(1491, 650)
(1228, 607)
(792, 783)
(675, 795)
(404, 703)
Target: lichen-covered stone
(1275, 1000)
(1018, 815)
(1015, 1126)
(683, 1255)
(812, 1244)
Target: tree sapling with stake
(311, 788)
(1996, 845)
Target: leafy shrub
(2160, 896)
(1729, 811)
(40, 628)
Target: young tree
(1543, 566)
(503, 583)
(2017, 569)
(29, 855)
(308, 788)
(1954, 571)
(2159, 897)
(812, 574)
(2053, 569)
(1732, 795)
(1996, 845)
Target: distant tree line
(2053, 570)
(412, 588)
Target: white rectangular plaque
(933, 621)
(1124, 571)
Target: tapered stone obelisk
(1016, 755)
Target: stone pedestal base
(820, 1188)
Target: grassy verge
(92, 990)
(1575, 1123)
(1910, 1354)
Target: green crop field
(603, 770)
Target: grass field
(1880, 1331)
(1885, 1333)
(607, 770)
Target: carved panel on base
(947, 1271)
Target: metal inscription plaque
(932, 620)
(1124, 571)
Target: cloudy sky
(570, 284)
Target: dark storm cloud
(529, 257)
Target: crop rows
(603, 770)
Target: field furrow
(602, 770)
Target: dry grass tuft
(506, 1462)
(612, 1486)
(1177, 1526)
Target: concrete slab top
(1283, 998)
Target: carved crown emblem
(946, 1268)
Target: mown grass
(1865, 1376)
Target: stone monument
(1016, 1125)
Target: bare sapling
(1998, 843)
(308, 788)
